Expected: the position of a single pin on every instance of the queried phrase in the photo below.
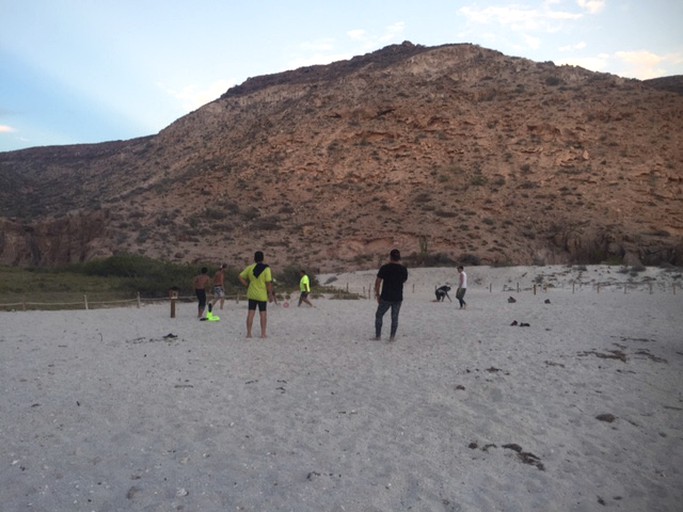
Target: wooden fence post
(173, 295)
(85, 300)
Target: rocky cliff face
(456, 150)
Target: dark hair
(395, 255)
(204, 270)
(258, 256)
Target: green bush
(150, 277)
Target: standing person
(305, 288)
(219, 286)
(390, 278)
(462, 288)
(200, 282)
(258, 280)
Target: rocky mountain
(451, 153)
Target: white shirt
(463, 280)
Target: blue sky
(81, 71)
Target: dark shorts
(304, 295)
(261, 305)
(201, 297)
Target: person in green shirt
(258, 280)
(305, 287)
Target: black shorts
(201, 297)
(261, 305)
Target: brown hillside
(457, 150)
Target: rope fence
(362, 291)
(87, 303)
(576, 286)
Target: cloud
(357, 34)
(392, 33)
(635, 64)
(6, 129)
(324, 51)
(644, 64)
(592, 6)
(573, 47)
(596, 63)
(518, 18)
(193, 96)
(532, 42)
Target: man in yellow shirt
(258, 280)
(305, 288)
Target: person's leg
(462, 299)
(263, 315)
(201, 297)
(395, 308)
(250, 321)
(382, 308)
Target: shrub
(478, 180)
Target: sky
(85, 71)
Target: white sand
(100, 412)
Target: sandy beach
(128, 409)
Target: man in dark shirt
(390, 279)
(442, 293)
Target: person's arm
(378, 284)
(271, 295)
(308, 285)
(244, 282)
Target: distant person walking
(462, 288)
(389, 292)
(304, 288)
(219, 286)
(200, 282)
(258, 280)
